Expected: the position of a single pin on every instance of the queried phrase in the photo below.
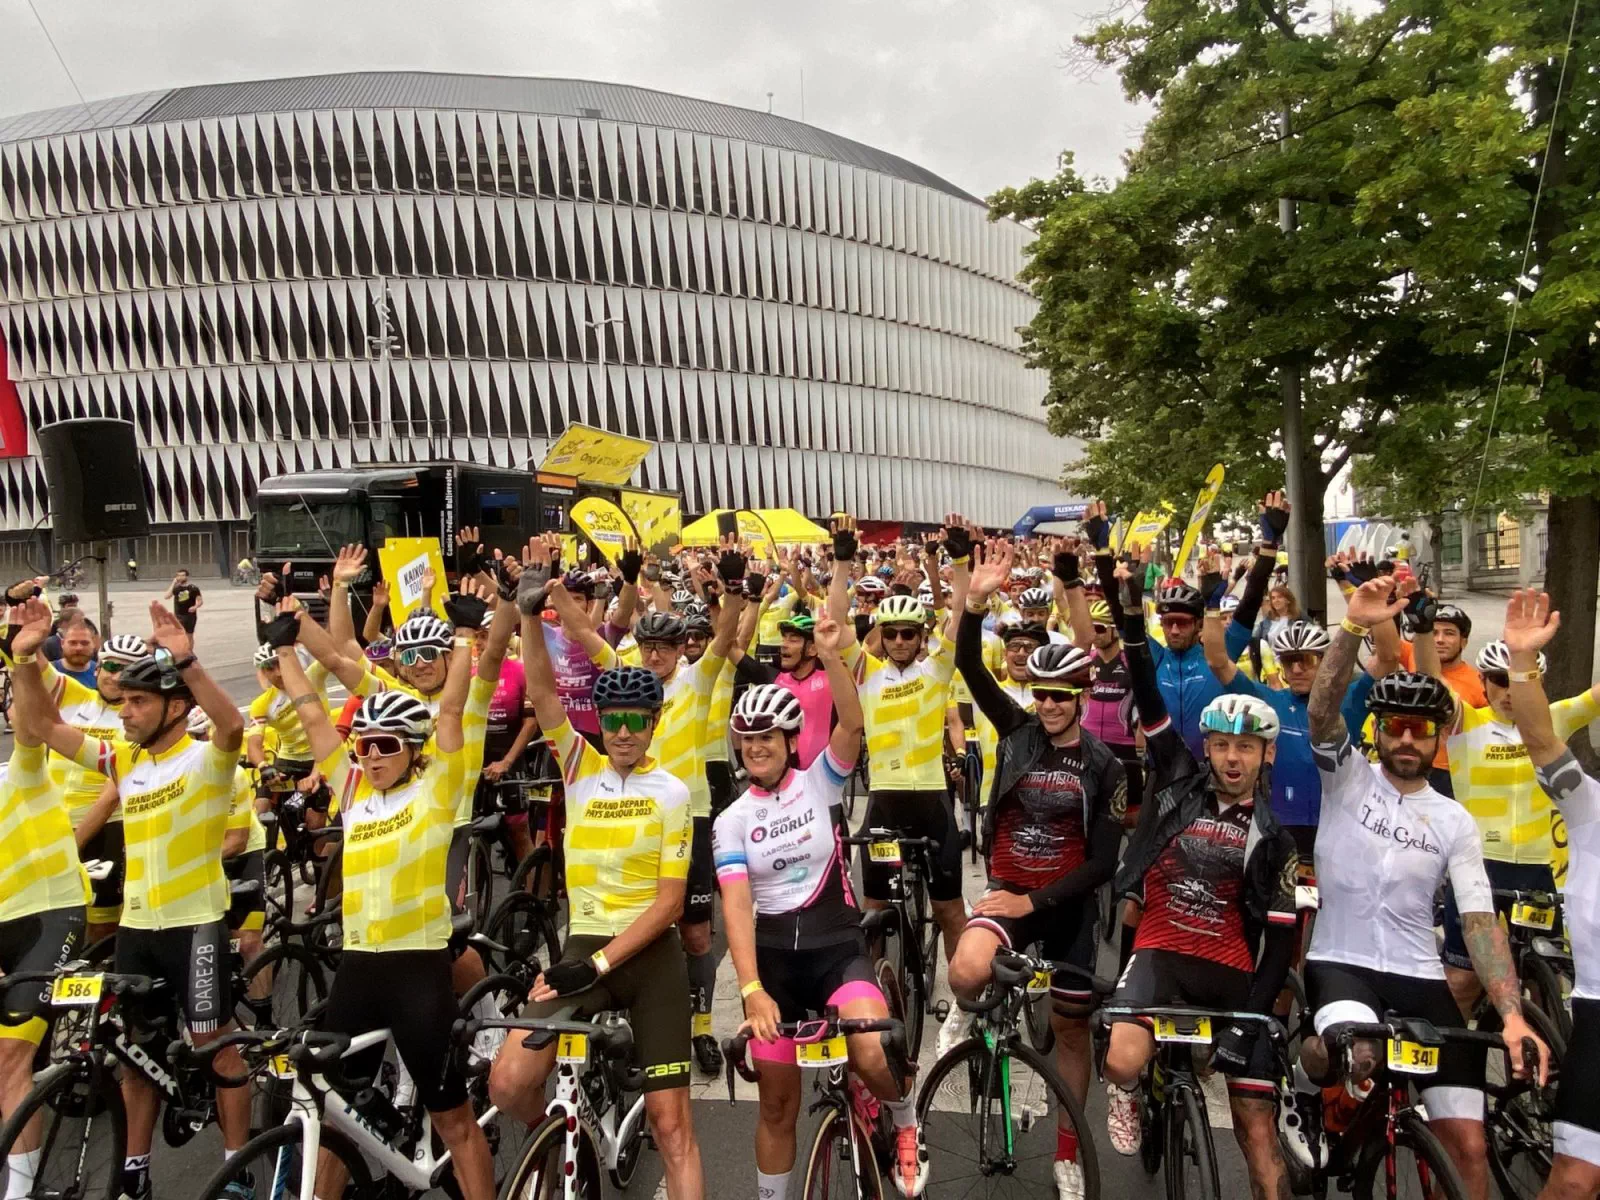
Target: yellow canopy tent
(785, 526)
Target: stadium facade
(289, 274)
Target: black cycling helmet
(627, 687)
(801, 624)
(1032, 631)
(1454, 614)
(149, 675)
(697, 622)
(1179, 598)
(1412, 693)
(660, 627)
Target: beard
(1415, 766)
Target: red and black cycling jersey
(1193, 892)
(1039, 835)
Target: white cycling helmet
(124, 648)
(423, 629)
(767, 706)
(393, 712)
(900, 610)
(1240, 714)
(870, 586)
(1299, 637)
(1497, 657)
(198, 723)
(682, 599)
(1035, 597)
(1060, 663)
(266, 656)
(1229, 604)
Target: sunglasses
(384, 745)
(1399, 724)
(660, 647)
(1059, 695)
(901, 633)
(1177, 620)
(111, 667)
(1101, 628)
(1299, 659)
(421, 654)
(633, 722)
(1498, 678)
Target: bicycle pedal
(941, 1009)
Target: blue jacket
(1187, 685)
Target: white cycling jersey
(786, 844)
(1578, 797)
(1380, 859)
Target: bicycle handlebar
(1180, 1012)
(734, 1048)
(931, 845)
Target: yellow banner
(1145, 527)
(1197, 520)
(403, 562)
(658, 519)
(591, 454)
(604, 524)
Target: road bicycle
(1543, 958)
(903, 937)
(854, 1142)
(991, 1106)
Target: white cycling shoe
(955, 1029)
(1122, 1120)
(1069, 1180)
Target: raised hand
(1531, 623)
(380, 594)
(991, 568)
(1274, 510)
(826, 633)
(1370, 604)
(32, 618)
(1096, 527)
(534, 581)
(350, 562)
(630, 562)
(845, 541)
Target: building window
(1450, 545)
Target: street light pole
(1305, 551)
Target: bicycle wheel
(888, 980)
(1036, 1017)
(1545, 984)
(926, 930)
(1423, 1171)
(83, 1133)
(1517, 1119)
(269, 1165)
(522, 924)
(985, 1140)
(539, 1175)
(907, 958)
(1106, 898)
(298, 984)
(841, 1165)
(630, 1151)
(1190, 1154)
(280, 888)
(480, 882)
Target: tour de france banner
(403, 562)
(595, 456)
(1145, 527)
(754, 530)
(1197, 521)
(604, 524)
(658, 519)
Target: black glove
(930, 552)
(1133, 588)
(755, 583)
(1065, 567)
(471, 560)
(1098, 530)
(532, 585)
(29, 589)
(568, 978)
(1336, 572)
(630, 564)
(1211, 587)
(1420, 613)
(269, 775)
(731, 565)
(504, 583)
(1363, 571)
(957, 543)
(281, 630)
(465, 612)
(1274, 521)
(1234, 1047)
(845, 545)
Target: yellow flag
(604, 524)
(1197, 520)
(403, 562)
(594, 455)
(1145, 528)
(659, 520)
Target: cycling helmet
(660, 627)
(1240, 714)
(1453, 614)
(682, 599)
(697, 623)
(423, 629)
(198, 723)
(1033, 631)
(1299, 637)
(148, 675)
(1179, 598)
(1228, 604)
(802, 624)
(767, 706)
(1412, 693)
(900, 610)
(925, 597)
(393, 712)
(124, 648)
(627, 687)
(1035, 597)
(1060, 663)
(1100, 613)
(379, 650)
(1497, 657)
(870, 586)
(266, 655)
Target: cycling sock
(771, 1187)
(1066, 1145)
(20, 1171)
(702, 980)
(903, 1111)
(136, 1175)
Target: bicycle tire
(1189, 1139)
(1538, 974)
(908, 981)
(299, 983)
(1036, 1020)
(927, 944)
(279, 1152)
(279, 875)
(538, 1174)
(1412, 1136)
(1152, 1128)
(888, 980)
(1517, 1127)
(1109, 924)
(629, 1152)
(522, 924)
(828, 1173)
(68, 1102)
(479, 879)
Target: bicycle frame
(571, 1101)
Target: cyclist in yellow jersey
(43, 892)
(175, 794)
(627, 852)
(683, 733)
(271, 710)
(719, 772)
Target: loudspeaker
(95, 478)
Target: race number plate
(1412, 1058)
(1039, 985)
(826, 1053)
(885, 853)
(1533, 916)
(1196, 1030)
(71, 990)
(279, 1066)
(572, 1048)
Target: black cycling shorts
(1339, 994)
(407, 992)
(38, 942)
(105, 900)
(1156, 978)
(1577, 1116)
(652, 987)
(719, 776)
(700, 896)
(247, 912)
(1064, 934)
(916, 814)
(802, 982)
(192, 959)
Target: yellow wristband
(23, 660)
(1514, 676)
(1352, 628)
(598, 958)
(751, 989)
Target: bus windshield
(303, 528)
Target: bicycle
(904, 974)
(855, 1131)
(497, 800)
(1008, 1093)
(1544, 962)
(1173, 1120)
(245, 577)
(596, 1117)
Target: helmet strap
(165, 727)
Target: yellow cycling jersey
(905, 717)
(39, 867)
(780, 610)
(242, 812)
(474, 723)
(92, 715)
(272, 709)
(717, 717)
(175, 807)
(683, 730)
(1493, 778)
(624, 834)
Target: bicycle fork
(1001, 1065)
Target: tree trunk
(1573, 567)
(1436, 554)
(1307, 577)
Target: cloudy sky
(975, 90)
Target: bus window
(499, 507)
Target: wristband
(981, 610)
(1514, 676)
(598, 958)
(963, 561)
(23, 660)
(1352, 628)
(751, 989)
(464, 643)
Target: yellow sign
(572, 1048)
(404, 562)
(1533, 916)
(1039, 985)
(70, 990)
(886, 853)
(1144, 529)
(1412, 1057)
(604, 524)
(1170, 1029)
(1197, 520)
(658, 519)
(826, 1053)
(1117, 530)
(594, 455)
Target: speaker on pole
(95, 478)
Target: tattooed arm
(1369, 604)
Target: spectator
(78, 647)
(186, 600)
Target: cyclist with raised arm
(1053, 825)
(627, 843)
(1386, 842)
